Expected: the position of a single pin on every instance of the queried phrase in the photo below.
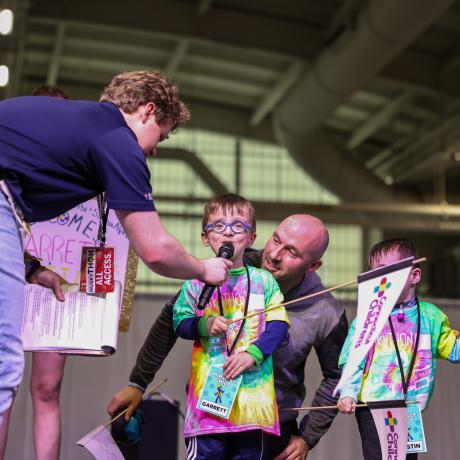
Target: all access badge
(97, 270)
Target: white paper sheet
(83, 324)
(101, 444)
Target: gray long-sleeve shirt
(318, 323)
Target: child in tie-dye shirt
(244, 347)
(379, 376)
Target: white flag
(101, 444)
(378, 291)
(391, 424)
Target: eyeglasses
(220, 226)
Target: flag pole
(146, 395)
(284, 304)
(335, 407)
(309, 296)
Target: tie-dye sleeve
(273, 297)
(448, 342)
(343, 358)
(454, 356)
(352, 386)
(185, 305)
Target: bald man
(292, 254)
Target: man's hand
(129, 397)
(217, 325)
(236, 364)
(297, 449)
(215, 271)
(49, 279)
(346, 405)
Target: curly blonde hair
(130, 90)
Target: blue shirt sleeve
(123, 171)
(188, 328)
(275, 332)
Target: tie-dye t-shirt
(255, 404)
(379, 377)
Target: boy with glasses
(242, 348)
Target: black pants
(245, 445)
(369, 436)
(274, 445)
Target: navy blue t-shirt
(56, 153)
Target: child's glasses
(220, 226)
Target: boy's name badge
(97, 270)
(219, 393)
(415, 433)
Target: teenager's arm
(163, 254)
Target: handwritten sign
(58, 244)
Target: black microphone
(225, 251)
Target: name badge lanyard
(103, 215)
(406, 381)
(98, 263)
(246, 306)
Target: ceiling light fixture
(6, 22)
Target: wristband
(136, 385)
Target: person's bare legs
(4, 431)
(45, 387)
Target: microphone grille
(226, 250)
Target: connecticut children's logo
(380, 289)
(148, 196)
(391, 421)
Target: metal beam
(149, 56)
(203, 7)
(177, 57)
(53, 69)
(179, 18)
(345, 17)
(411, 67)
(383, 30)
(234, 27)
(82, 67)
(422, 217)
(422, 168)
(197, 165)
(275, 94)
(452, 62)
(418, 141)
(378, 120)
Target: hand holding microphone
(216, 272)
